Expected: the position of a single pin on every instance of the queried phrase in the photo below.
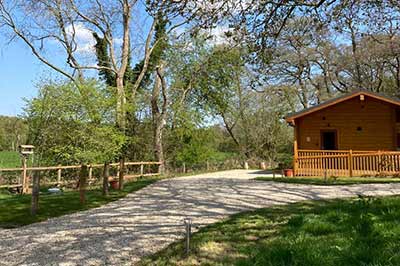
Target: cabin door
(329, 140)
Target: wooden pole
(141, 170)
(121, 173)
(184, 167)
(59, 176)
(90, 172)
(379, 162)
(295, 152)
(82, 183)
(106, 174)
(208, 166)
(24, 178)
(351, 163)
(35, 192)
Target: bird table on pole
(25, 151)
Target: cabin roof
(379, 96)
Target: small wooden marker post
(188, 233)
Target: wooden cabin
(355, 134)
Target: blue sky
(19, 71)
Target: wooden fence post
(59, 176)
(106, 174)
(141, 170)
(121, 173)
(35, 192)
(350, 163)
(184, 167)
(90, 172)
(82, 183)
(208, 166)
(24, 178)
(379, 162)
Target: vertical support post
(379, 162)
(106, 174)
(59, 176)
(351, 163)
(141, 170)
(90, 172)
(184, 168)
(188, 231)
(121, 173)
(82, 183)
(208, 166)
(24, 178)
(295, 151)
(161, 168)
(35, 192)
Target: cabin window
(397, 115)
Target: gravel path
(121, 232)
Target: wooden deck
(346, 163)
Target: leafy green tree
(69, 128)
(13, 131)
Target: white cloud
(83, 38)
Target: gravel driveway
(121, 232)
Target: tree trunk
(121, 102)
(35, 192)
(158, 147)
(82, 183)
(106, 174)
(159, 116)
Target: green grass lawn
(364, 231)
(331, 181)
(15, 209)
(9, 159)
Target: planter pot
(288, 172)
(114, 184)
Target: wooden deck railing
(346, 163)
(24, 179)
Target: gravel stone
(144, 222)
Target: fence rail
(24, 180)
(346, 163)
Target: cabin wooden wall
(376, 119)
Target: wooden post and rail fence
(346, 163)
(25, 181)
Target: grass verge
(363, 231)
(15, 209)
(331, 181)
